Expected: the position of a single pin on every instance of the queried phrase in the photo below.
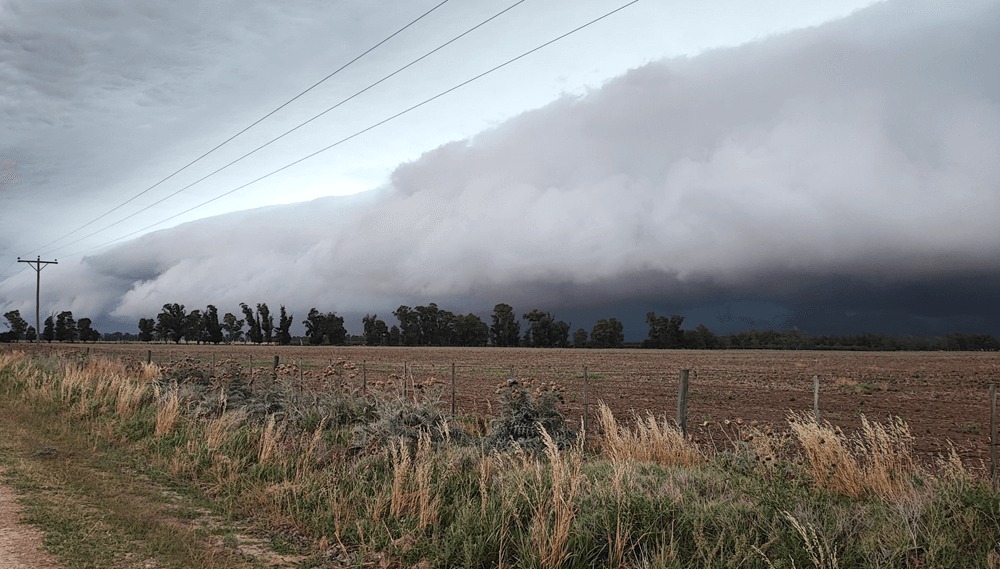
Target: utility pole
(38, 264)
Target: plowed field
(943, 396)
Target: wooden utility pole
(38, 264)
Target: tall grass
(649, 497)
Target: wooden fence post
(149, 356)
(301, 378)
(586, 403)
(250, 368)
(364, 376)
(511, 379)
(682, 401)
(993, 433)
(453, 389)
(816, 397)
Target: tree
(254, 332)
(48, 329)
(171, 322)
(284, 335)
(18, 326)
(505, 330)
(211, 326)
(704, 339)
(580, 338)
(266, 322)
(86, 332)
(664, 332)
(30, 334)
(327, 327)
(409, 325)
(608, 333)
(147, 326)
(376, 332)
(233, 327)
(194, 327)
(65, 327)
(395, 336)
(544, 331)
(469, 330)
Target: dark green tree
(409, 325)
(505, 330)
(18, 326)
(171, 322)
(49, 329)
(147, 326)
(266, 322)
(608, 333)
(211, 325)
(66, 327)
(664, 332)
(254, 332)
(233, 327)
(326, 327)
(469, 330)
(544, 331)
(580, 338)
(85, 330)
(194, 327)
(395, 336)
(376, 331)
(284, 335)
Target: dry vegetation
(372, 477)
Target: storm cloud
(846, 176)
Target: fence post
(405, 368)
(301, 378)
(993, 433)
(511, 373)
(364, 376)
(816, 397)
(250, 368)
(586, 403)
(682, 401)
(149, 356)
(453, 389)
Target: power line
(364, 130)
(297, 127)
(255, 123)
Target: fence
(704, 396)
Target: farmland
(943, 396)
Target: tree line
(431, 325)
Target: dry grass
(270, 439)
(553, 518)
(649, 440)
(877, 460)
(218, 431)
(168, 410)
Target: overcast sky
(826, 165)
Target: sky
(827, 166)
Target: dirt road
(20, 544)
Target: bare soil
(943, 396)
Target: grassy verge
(351, 479)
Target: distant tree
(266, 322)
(376, 332)
(233, 327)
(86, 332)
(254, 332)
(284, 335)
(701, 338)
(434, 325)
(469, 330)
(171, 322)
(147, 326)
(395, 336)
(544, 331)
(211, 327)
(30, 334)
(607, 333)
(580, 338)
(409, 325)
(18, 326)
(326, 327)
(505, 330)
(48, 329)
(664, 332)
(65, 327)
